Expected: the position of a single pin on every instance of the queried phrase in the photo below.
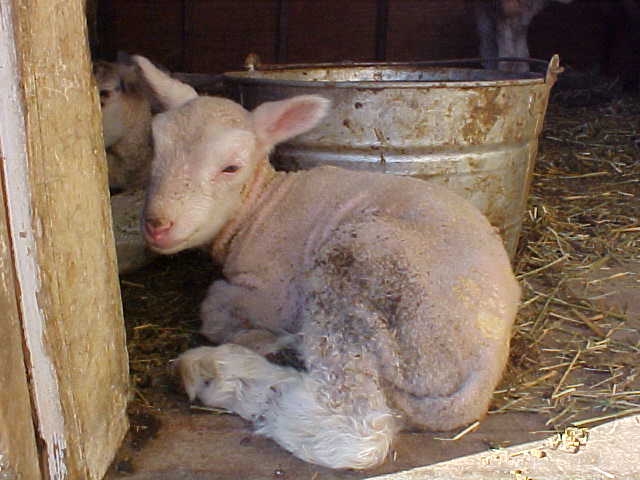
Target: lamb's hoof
(198, 367)
(218, 372)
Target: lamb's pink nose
(156, 228)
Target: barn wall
(153, 28)
(223, 32)
(331, 31)
(577, 31)
(216, 35)
(430, 30)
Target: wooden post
(62, 247)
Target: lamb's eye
(105, 93)
(231, 169)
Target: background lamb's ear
(130, 80)
(275, 122)
(169, 92)
(124, 57)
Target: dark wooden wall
(216, 35)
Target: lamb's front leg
(231, 307)
(247, 315)
(222, 313)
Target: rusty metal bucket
(473, 130)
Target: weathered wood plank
(18, 453)
(63, 249)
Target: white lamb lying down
(399, 293)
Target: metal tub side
(479, 138)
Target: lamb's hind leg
(296, 409)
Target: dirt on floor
(575, 355)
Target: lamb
(397, 294)
(126, 124)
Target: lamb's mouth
(171, 246)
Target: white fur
(301, 421)
(287, 406)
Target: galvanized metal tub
(473, 130)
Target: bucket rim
(259, 75)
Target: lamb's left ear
(275, 122)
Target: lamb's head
(208, 155)
(115, 82)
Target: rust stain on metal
(483, 116)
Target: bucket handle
(553, 70)
(252, 63)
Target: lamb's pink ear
(275, 122)
(168, 92)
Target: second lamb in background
(399, 293)
(126, 124)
